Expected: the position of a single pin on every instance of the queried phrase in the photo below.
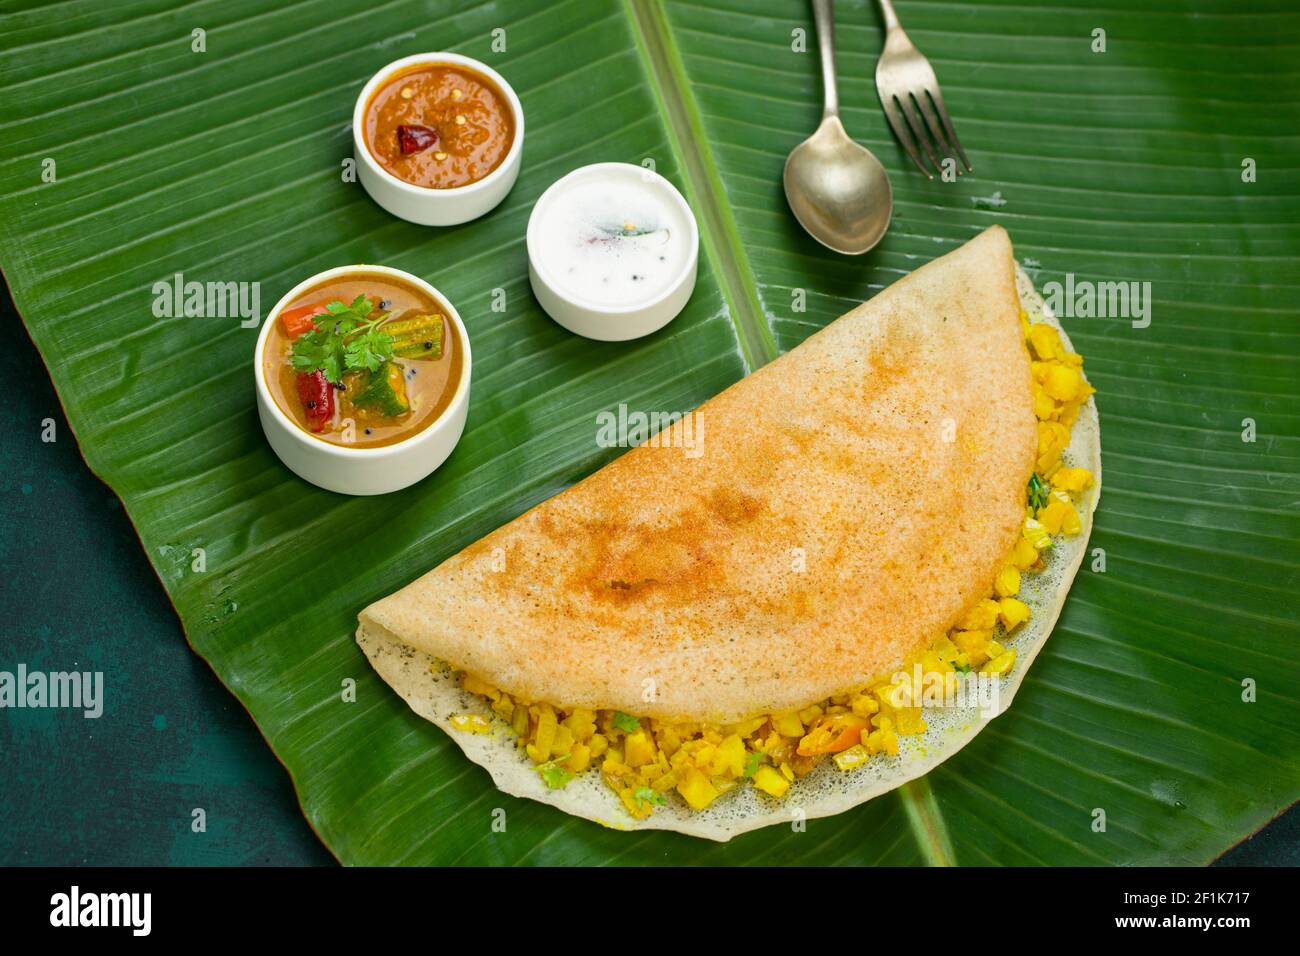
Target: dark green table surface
(76, 593)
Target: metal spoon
(837, 189)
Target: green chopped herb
(1037, 492)
(626, 722)
(649, 795)
(346, 339)
(627, 230)
(752, 761)
(553, 775)
(962, 668)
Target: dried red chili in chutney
(416, 139)
(439, 126)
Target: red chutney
(439, 126)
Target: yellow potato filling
(646, 761)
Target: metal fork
(904, 75)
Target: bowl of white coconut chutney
(612, 251)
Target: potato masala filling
(647, 761)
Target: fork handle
(824, 16)
(891, 18)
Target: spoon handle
(824, 16)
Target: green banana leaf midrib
(722, 244)
(705, 192)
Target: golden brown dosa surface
(851, 500)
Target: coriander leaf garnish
(346, 339)
(553, 775)
(1037, 492)
(314, 351)
(360, 307)
(626, 722)
(752, 761)
(628, 230)
(649, 795)
(368, 352)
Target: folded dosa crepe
(736, 622)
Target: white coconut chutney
(613, 240)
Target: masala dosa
(853, 499)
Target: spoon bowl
(838, 190)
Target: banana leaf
(1166, 703)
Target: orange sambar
(471, 118)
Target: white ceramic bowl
(362, 471)
(420, 204)
(601, 321)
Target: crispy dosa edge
(433, 693)
(674, 574)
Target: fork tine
(918, 130)
(895, 118)
(937, 96)
(896, 122)
(935, 127)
